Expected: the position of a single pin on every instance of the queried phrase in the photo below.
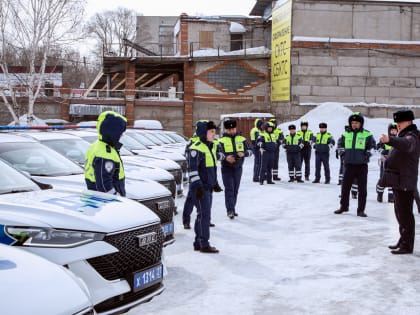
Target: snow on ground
(288, 253)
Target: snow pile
(23, 121)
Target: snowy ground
(288, 253)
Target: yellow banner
(280, 52)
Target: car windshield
(141, 138)
(90, 139)
(13, 181)
(176, 137)
(131, 143)
(164, 138)
(37, 159)
(123, 150)
(73, 149)
(152, 137)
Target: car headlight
(46, 237)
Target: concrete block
(311, 70)
(358, 91)
(353, 61)
(377, 91)
(315, 80)
(389, 72)
(394, 100)
(301, 90)
(396, 61)
(319, 61)
(404, 92)
(402, 82)
(413, 72)
(351, 81)
(322, 99)
(350, 71)
(331, 91)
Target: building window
(236, 42)
(206, 39)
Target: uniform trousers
(351, 172)
(231, 177)
(403, 207)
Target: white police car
(112, 243)
(34, 285)
(49, 167)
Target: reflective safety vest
(322, 138)
(387, 147)
(228, 144)
(253, 133)
(268, 137)
(210, 156)
(294, 140)
(305, 135)
(277, 132)
(359, 144)
(100, 149)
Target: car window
(73, 149)
(13, 181)
(90, 139)
(131, 143)
(177, 137)
(164, 138)
(37, 159)
(142, 139)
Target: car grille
(177, 174)
(170, 185)
(123, 299)
(130, 257)
(166, 214)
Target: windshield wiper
(15, 191)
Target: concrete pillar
(130, 91)
(188, 98)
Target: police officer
(278, 134)
(189, 203)
(293, 144)
(234, 148)
(358, 143)
(203, 181)
(401, 173)
(267, 144)
(308, 139)
(340, 154)
(254, 133)
(385, 149)
(104, 170)
(323, 142)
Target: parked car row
(110, 246)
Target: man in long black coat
(401, 172)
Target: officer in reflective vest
(254, 133)
(278, 134)
(104, 170)
(324, 141)
(305, 153)
(340, 154)
(267, 144)
(358, 143)
(385, 149)
(293, 144)
(234, 148)
(203, 181)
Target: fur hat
(292, 127)
(403, 115)
(356, 116)
(322, 125)
(304, 123)
(211, 125)
(229, 124)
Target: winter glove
(301, 145)
(199, 193)
(217, 188)
(336, 154)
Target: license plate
(147, 278)
(163, 204)
(168, 228)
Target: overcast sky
(174, 8)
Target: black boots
(380, 196)
(340, 211)
(316, 181)
(275, 177)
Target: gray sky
(174, 7)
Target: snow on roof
(237, 28)
(219, 52)
(23, 121)
(246, 115)
(352, 40)
(148, 124)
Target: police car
(75, 148)
(49, 167)
(46, 288)
(112, 243)
(129, 146)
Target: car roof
(81, 133)
(50, 135)
(9, 137)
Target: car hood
(139, 189)
(67, 209)
(134, 169)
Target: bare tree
(35, 27)
(111, 27)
